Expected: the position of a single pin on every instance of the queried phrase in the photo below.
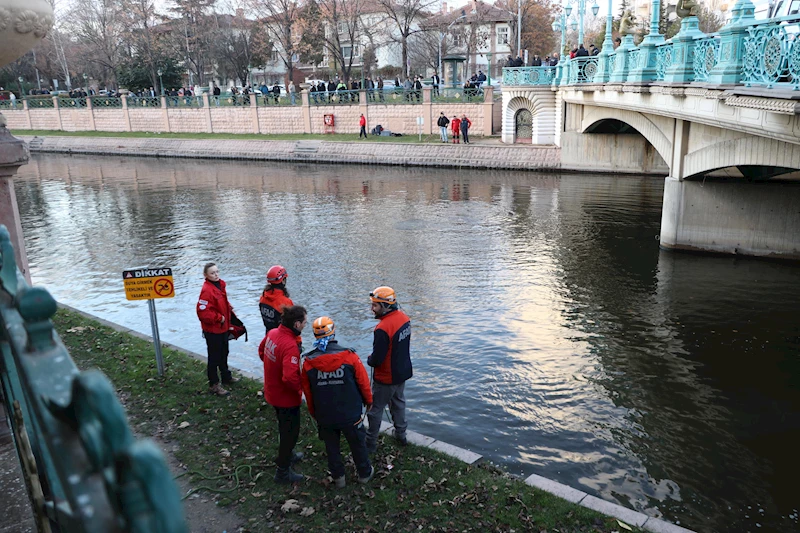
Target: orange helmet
(383, 295)
(323, 327)
(276, 275)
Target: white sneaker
(339, 482)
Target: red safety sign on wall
(329, 123)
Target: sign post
(149, 284)
(420, 122)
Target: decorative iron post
(681, 69)
(646, 68)
(604, 58)
(728, 71)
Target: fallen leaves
(183, 425)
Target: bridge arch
(640, 122)
(756, 157)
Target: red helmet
(276, 275)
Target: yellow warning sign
(148, 283)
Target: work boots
(287, 475)
(217, 390)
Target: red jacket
(271, 306)
(281, 356)
(391, 349)
(362, 121)
(455, 124)
(212, 306)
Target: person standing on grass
(391, 359)
(363, 123)
(214, 312)
(455, 127)
(274, 298)
(442, 123)
(465, 125)
(280, 352)
(336, 387)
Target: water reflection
(550, 334)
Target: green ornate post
(728, 71)
(604, 58)
(646, 68)
(623, 51)
(682, 68)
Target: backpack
(377, 130)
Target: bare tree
(146, 35)
(338, 29)
(193, 33)
(405, 16)
(281, 18)
(240, 43)
(100, 26)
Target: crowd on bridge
(331, 377)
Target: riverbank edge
(474, 156)
(555, 488)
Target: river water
(550, 333)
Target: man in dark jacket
(391, 359)
(281, 355)
(442, 123)
(336, 386)
(582, 52)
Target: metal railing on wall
(87, 472)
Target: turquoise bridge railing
(764, 53)
(83, 467)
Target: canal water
(550, 333)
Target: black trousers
(357, 439)
(362, 132)
(288, 432)
(465, 135)
(217, 344)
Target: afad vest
(396, 366)
(271, 306)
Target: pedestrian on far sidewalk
(442, 123)
(363, 123)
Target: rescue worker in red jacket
(391, 359)
(214, 312)
(455, 125)
(336, 387)
(281, 355)
(274, 298)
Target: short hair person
(281, 355)
(336, 387)
(391, 359)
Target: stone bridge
(717, 114)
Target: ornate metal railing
(612, 62)
(144, 101)
(72, 102)
(35, 102)
(663, 60)
(454, 95)
(106, 101)
(634, 57)
(706, 56)
(86, 471)
(582, 69)
(184, 101)
(270, 99)
(528, 75)
(772, 54)
(10, 104)
(341, 98)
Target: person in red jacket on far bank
(363, 123)
(214, 312)
(281, 355)
(274, 298)
(455, 126)
(336, 386)
(391, 359)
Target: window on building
(457, 40)
(274, 55)
(346, 52)
(502, 35)
(341, 27)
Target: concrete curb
(541, 158)
(566, 492)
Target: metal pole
(35, 66)
(581, 13)
(607, 42)
(519, 28)
(654, 16)
(156, 339)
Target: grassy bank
(414, 489)
(338, 137)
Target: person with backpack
(336, 387)
(274, 298)
(442, 123)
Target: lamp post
(578, 24)
(441, 38)
(604, 63)
(21, 92)
(160, 81)
(85, 86)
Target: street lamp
(21, 92)
(85, 86)
(441, 38)
(160, 81)
(578, 24)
